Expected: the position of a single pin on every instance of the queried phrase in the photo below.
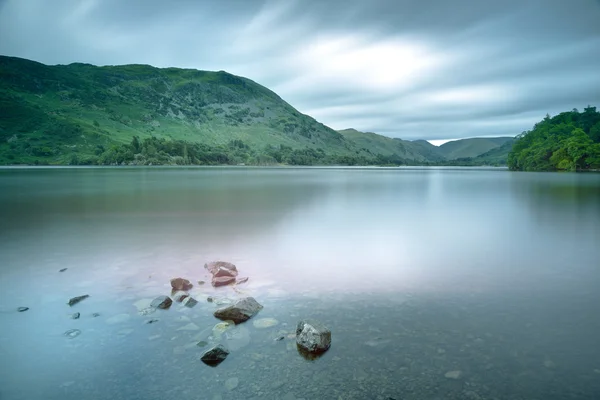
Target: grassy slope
(470, 148)
(387, 146)
(53, 112)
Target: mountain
(142, 115)
(378, 144)
(471, 148)
(55, 112)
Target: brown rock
(214, 266)
(181, 284)
(225, 272)
(222, 280)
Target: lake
(437, 283)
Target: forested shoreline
(569, 141)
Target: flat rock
(242, 310)
(181, 284)
(312, 336)
(453, 374)
(214, 266)
(222, 280)
(237, 337)
(215, 355)
(264, 323)
(162, 302)
(77, 299)
(231, 383)
(189, 327)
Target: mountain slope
(375, 143)
(470, 148)
(55, 113)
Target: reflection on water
(437, 283)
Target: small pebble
(95, 314)
(21, 309)
(201, 282)
(151, 321)
(62, 270)
(75, 315)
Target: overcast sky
(414, 69)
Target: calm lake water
(437, 283)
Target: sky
(413, 69)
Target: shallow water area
(437, 283)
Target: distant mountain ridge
(139, 114)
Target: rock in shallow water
(181, 284)
(75, 315)
(264, 323)
(214, 266)
(312, 336)
(453, 374)
(77, 299)
(218, 281)
(162, 302)
(72, 333)
(22, 309)
(242, 310)
(215, 355)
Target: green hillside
(404, 149)
(471, 148)
(569, 141)
(138, 114)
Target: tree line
(569, 141)
(159, 151)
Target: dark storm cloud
(432, 69)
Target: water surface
(417, 271)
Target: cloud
(404, 68)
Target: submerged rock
(72, 333)
(95, 314)
(22, 309)
(241, 280)
(190, 302)
(62, 270)
(231, 383)
(181, 284)
(75, 315)
(215, 355)
(264, 323)
(242, 310)
(453, 374)
(180, 296)
(77, 299)
(312, 336)
(162, 302)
